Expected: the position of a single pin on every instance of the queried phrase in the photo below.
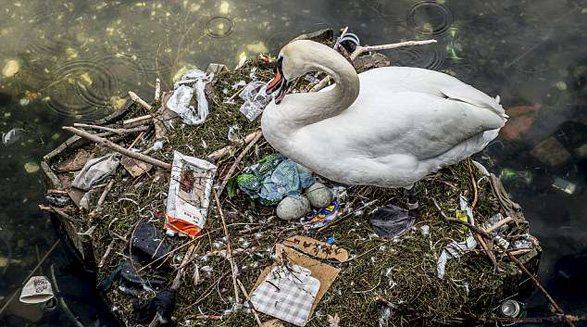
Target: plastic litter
(161, 306)
(233, 133)
(12, 136)
(179, 102)
(148, 240)
(391, 221)
(273, 178)
(256, 99)
(564, 185)
(456, 250)
(37, 289)
(511, 308)
(96, 170)
(383, 320)
(131, 283)
(189, 194)
(515, 177)
(325, 215)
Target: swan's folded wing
(401, 79)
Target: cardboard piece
(74, 162)
(325, 273)
(317, 249)
(135, 167)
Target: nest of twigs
(401, 271)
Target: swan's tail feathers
(466, 93)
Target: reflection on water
(65, 61)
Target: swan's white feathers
(404, 124)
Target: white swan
(388, 127)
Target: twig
(474, 186)
(457, 221)
(242, 287)
(228, 247)
(238, 160)
(482, 233)
(499, 224)
(137, 121)
(104, 194)
(384, 301)
(361, 49)
(221, 152)
(106, 253)
(137, 99)
(205, 317)
(13, 296)
(541, 288)
(108, 129)
(538, 320)
(118, 148)
(476, 229)
(157, 90)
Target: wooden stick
(242, 287)
(137, 121)
(477, 237)
(238, 160)
(474, 182)
(157, 96)
(541, 288)
(118, 148)
(499, 224)
(228, 247)
(536, 282)
(137, 99)
(108, 129)
(7, 303)
(361, 49)
(225, 150)
(105, 193)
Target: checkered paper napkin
(287, 293)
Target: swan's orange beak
(278, 83)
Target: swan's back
(405, 123)
(409, 79)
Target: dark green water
(66, 61)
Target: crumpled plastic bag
(391, 221)
(96, 170)
(273, 178)
(456, 250)
(256, 99)
(179, 102)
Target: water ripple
(430, 18)
(81, 89)
(219, 27)
(429, 57)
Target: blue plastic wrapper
(273, 178)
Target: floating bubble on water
(429, 17)
(219, 27)
(430, 57)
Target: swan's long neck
(302, 109)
